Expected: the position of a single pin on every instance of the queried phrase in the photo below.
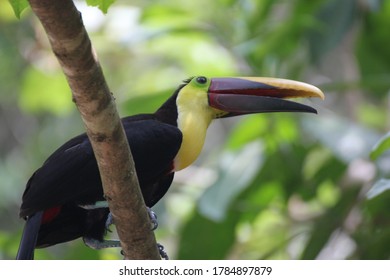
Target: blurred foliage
(18, 6)
(272, 186)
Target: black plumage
(70, 178)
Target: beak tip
(321, 94)
(315, 92)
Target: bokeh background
(271, 186)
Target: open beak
(247, 95)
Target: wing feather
(70, 174)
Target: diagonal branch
(72, 47)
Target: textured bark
(72, 47)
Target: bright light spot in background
(93, 18)
(121, 23)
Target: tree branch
(72, 47)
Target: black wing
(70, 174)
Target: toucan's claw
(109, 221)
(162, 252)
(97, 244)
(153, 218)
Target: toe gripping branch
(98, 244)
(163, 253)
(153, 219)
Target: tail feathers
(29, 237)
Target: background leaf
(378, 188)
(103, 5)
(215, 238)
(18, 6)
(236, 172)
(382, 146)
(328, 223)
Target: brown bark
(72, 47)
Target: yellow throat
(194, 117)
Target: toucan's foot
(162, 252)
(109, 221)
(97, 244)
(153, 218)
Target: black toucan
(63, 199)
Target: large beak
(238, 96)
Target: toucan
(64, 200)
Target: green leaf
(54, 97)
(378, 188)
(372, 52)
(329, 222)
(373, 234)
(18, 6)
(315, 161)
(202, 238)
(237, 171)
(346, 139)
(103, 5)
(335, 20)
(143, 104)
(247, 130)
(377, 207)
(380, 147)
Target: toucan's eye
(201, 80)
